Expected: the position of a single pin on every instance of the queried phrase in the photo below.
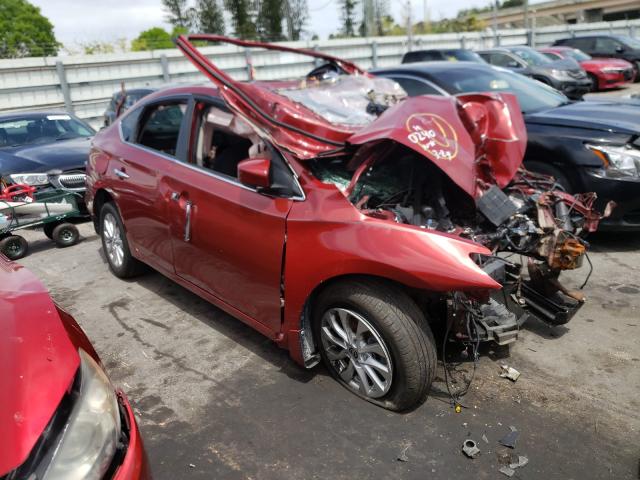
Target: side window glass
(501, 60)
(606, 44)
(159, 128)
(128, 125)
(415, 87)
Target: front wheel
(595, 84)
(375, 341)
(65, 235)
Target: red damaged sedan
(339, 217)
(604, 73)
(60, 417)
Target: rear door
(228, 239)
(608, 47)
(151, 146)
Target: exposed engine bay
(533, 228)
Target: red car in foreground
(60, 417)
(604, 73)
(338, 217)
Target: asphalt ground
(215, 399)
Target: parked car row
(347, 216)
(565, 66)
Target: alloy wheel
(113, 240)
(357, 352)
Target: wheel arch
(101, 197)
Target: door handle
(187, 221)
(120, 173)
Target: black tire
(552, 170)
(594, 82)
(130, 266)
(48, 229)
(401, 325)
(14, 247)
(637, 77)
(65, 235)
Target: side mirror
(255, 172)
(619, 49)
(513, 64)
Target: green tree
(153, 39)
(242, 19)
(209, 17)
(348, 12)
(297, 14)
(269, 20)
(24, 31)
(178, 13)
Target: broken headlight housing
(31, 179)
(620, 161)
(90, 438)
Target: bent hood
(38, 362)
(621, 117)
(476, 139)
(63, 155)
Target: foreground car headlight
(611, 70)
(31, 179)
(561, 74)
(619, 161)
(89, 441)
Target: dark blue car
(47, 150)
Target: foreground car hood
(63, 155)
(38, 362)
(620, 117)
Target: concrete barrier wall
(84, 84)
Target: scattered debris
(509, 440)
(484, 438)
(510, 373)
(505, 457)
(191, 465)
(509, 472)
(522, 461)
(470, 448)
(403, 455)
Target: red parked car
(60, 417)
(604, 73)
(338, 217)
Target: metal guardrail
(84, 84)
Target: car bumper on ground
(626, 194)
(134, 464)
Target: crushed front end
(533, 229)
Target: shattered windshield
(347, 99)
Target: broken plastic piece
(510, 373)
(484, 438)
(509, 472)
(470, 448)
(403, 455)
(522, 461)
(509, 440)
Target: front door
(228, 239)
(139, 168)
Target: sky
(82, 21)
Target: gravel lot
(215, 399)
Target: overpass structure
(556, 12)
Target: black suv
(607, 46)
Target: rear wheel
(376, 342)
(115, 245)
(14, 247)
(65, 235)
